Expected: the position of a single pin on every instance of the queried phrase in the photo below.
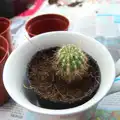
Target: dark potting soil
(49, 86)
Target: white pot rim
(74, 110)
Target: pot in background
(4, 53)
(46, 23)
(5, 31)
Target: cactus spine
(71, 62)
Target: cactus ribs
(51, 86)
(70, 62)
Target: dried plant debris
(72, 4)
(58, 4)
(51, 2)
(75, 3)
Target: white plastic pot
(15, 73)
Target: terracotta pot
(5, 31)
(46, 23)
(4, 53)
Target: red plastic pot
(4, 53)
(5, 31)
(46, 23)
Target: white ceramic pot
(15, 73)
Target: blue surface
(30, 116)
(117, 79)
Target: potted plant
(32, 54)
(63, 77)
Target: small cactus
(71, 62)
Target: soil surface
(49, 86)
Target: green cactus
(71, 62)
